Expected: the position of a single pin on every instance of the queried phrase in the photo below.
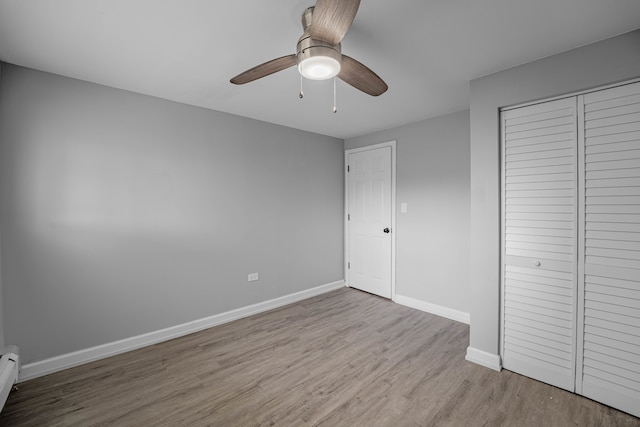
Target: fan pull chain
(301, 93)
(335, 107)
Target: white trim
(570, 94)
(393, 219)
(346, 216)
(391, 144)
(503, 180)
(579, 300)
(438, 310)
(69, 360)
(488, 360)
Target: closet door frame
(503, 230)
(581, 209)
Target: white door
(369, 215)
(539, 229)
(609, 345)
(555, 318)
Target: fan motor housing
(308, 47)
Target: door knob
(386, 230)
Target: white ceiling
(426, 50)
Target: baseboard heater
(9, 368)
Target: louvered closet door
(539, 248)
(610, 351)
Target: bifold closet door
(540, 236)
(609, 345)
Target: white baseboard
(69, 360)
(438, 310)
(483, 358)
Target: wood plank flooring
(345, 358)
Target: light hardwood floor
(345, 358)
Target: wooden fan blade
(332, 19)
(361, 77)
(265, 69)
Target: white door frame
(391, 144)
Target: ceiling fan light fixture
(317, 59)
(319, 67)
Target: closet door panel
(539, 248)
(610, 342)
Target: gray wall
(432, 238)
(609, 61)
(124, 214)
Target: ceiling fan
(319, 54)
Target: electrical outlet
(253, 277)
